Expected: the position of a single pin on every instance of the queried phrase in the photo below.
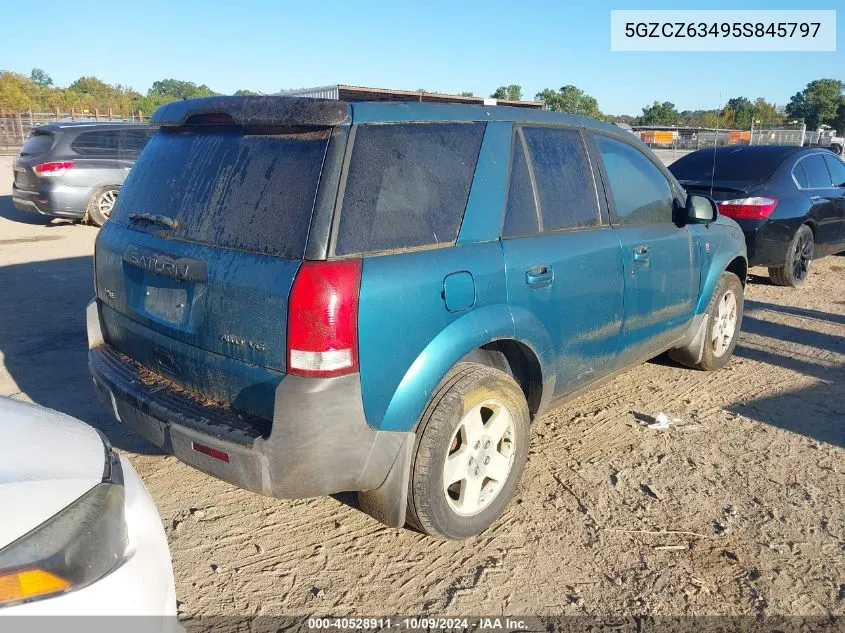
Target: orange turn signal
(29, 583)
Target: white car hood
(47, 461)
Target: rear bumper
(767, 241)
(319, 442)
(58, 201)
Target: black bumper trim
(319, 442)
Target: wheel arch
(739, 267)
(724, 262)
(486, 336)
(519, 361)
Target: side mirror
(701, 209)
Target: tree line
(821, 102)
(19, 93)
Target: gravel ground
(736, 510)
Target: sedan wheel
(802, 256)
(799, 256)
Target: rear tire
(474, 432)
(799, 256)
(724, 322)
(101, 205)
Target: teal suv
(304, 296)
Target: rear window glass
(97, 143)
(565, 183)
(229, 188)
(407, 185)
(736, 164)
(37, 144)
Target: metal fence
(15, 127)
(691, 139)
(780, 135)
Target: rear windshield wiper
(161, 220)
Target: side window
(641, 192)
(565, 185)
(97, 143)
(799, 176)
(133, 141)
(818, 177)
(837, 170)
(521, 211)
(407, 185)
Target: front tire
(799, 256)
(472, 444)
(101, 205)
(724, 322)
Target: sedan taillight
(756, 208)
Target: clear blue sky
(269, 45)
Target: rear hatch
(195, 266)
(34, 151)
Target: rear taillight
(51, 170)
(323, 319)
(757, 208)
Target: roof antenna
(715, 141)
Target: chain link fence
(15, 127)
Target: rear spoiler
(269, 110)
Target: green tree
(569, 99)
(17, 92)
(508, 93)
(766, 113)
(173, 89)
(659, 114)
(738, 113)
(245, 93)
(466, 93)
(41, 78)
(818, 103)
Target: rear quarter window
(407, 186)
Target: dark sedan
(789, 201)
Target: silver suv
(75, 170)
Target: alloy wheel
(724, 326)
(105, 202)
(802, 257)
(480, 457)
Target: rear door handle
(815, 198)
(539, 276)
(642, 254)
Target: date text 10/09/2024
(421, 624)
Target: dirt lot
(748, 492)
